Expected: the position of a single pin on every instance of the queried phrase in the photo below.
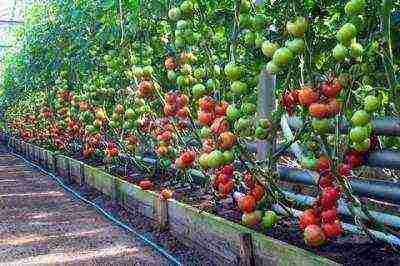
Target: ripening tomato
(314, 235)
(145, 184)
(207, 104)
(344, 169)
(248, 180)
(183, 112)
(329, 197)
(247, 204)
(205, 118)
(307, 96)
(166, 193)
(323, 164)
(220, 108)
(319, 110)
(252, 218)
(334, 107)
(170, 98)
(332, 230)
(227, 140)
(307, 218)
(258, 192)
(188, 157)
(169, 63)
(219, 126)
(331, 90)
(182, 100)
(226, 188)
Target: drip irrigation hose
(108, 215)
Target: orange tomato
(307, 96)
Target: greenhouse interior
(200, 132)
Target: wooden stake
(246, 250)
(161, 213)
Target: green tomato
(245, 20)
(356, 49)
(371, 103)
(250, 38)
(217, 70)
(282, 56)
(148, 71)
(114, 124)
(340, 52)
(171, 75)
(239, 88)
(296, 46)
(205, 132)
(203, 161)
(297, 28)
(213, 84)
(233, 72)
(269, 220)
(320, 126)
(215, 159)
(346, 34)
(130, 114)
(260, 21)
(308, 163)
(198, 90)
(199, 73)
(259, 41)
(183, 81)
(264, 123)
(232, 113)
(272, 68)
(248, 108)
(245, 6)
(268, 48)
(362, 146)
(182, 25)
(360, 118)
(186, 69)
(261, 133)
(358, 134)
(90, 129)
(228, 157)
(187, 8)
(355, 7)
(88, 117)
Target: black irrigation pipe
(389, 126)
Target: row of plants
(177, 81)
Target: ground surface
(41, 224)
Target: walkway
(41, 224)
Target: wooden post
(266, 105)
(68, 171)
(55, 167)
(82, 174)
(161, 213)
(246, 250)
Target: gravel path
(41, 224)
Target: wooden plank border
(226, 242)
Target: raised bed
(226, 242)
